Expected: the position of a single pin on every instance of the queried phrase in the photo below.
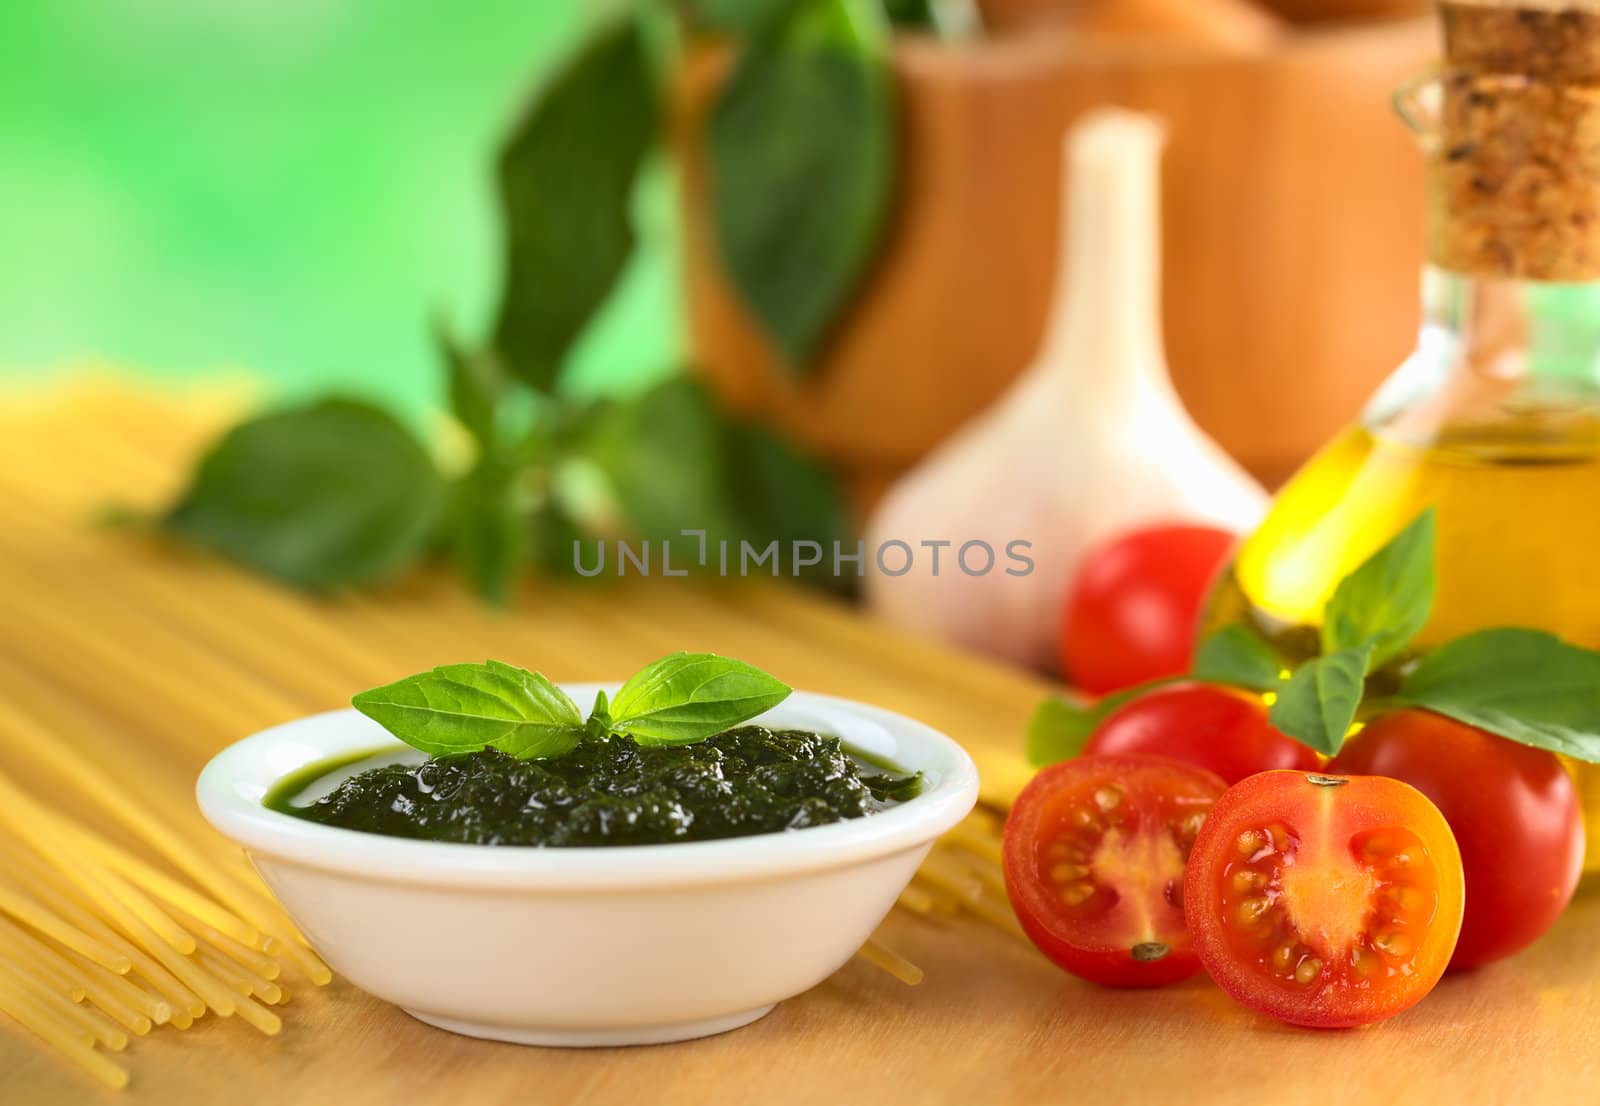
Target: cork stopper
(1556, 40)
(1514, 173)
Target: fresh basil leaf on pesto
(460, 708)
(691, 696)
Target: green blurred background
(287, 186)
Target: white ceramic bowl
(589, 946)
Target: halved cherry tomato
(1324, 900)
(1134, 605)
(1215, 727)
(1514, 812)
(1094, 856)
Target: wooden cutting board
(158, 657)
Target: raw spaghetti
(201, 654)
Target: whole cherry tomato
(1094, 851)
(1215, 727)
(1324, 900)
(1513, 809)
(1132, 610)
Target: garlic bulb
(1091, 441)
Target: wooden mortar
(1293, 233)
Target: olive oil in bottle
(1494, 420)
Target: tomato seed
(1076, 894)
(1362, 961)
(1406, 899)
(1251, 909)
(1394, 944)
(1250, 841)
(1061, 873)
(1308, 969)
(1246, 880)
(1108, 798)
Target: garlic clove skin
(1090, 442)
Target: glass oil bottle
(1494, 419)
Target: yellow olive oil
(1518, 517)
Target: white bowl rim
(231, 785)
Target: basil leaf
(777, 493)
(490, 529)
(332, 495)
(1060, 728)
(691, 696)
(734, 17)
(1525, 685)
(954, 19)
(474, 386)
(800, 148)
(1319, 703)
(566, 180)
(673, 461)
(461, 708)
(1239, 657)
(1388, 598)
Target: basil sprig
(1525, 685)
(462, 708)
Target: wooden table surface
(142, 654)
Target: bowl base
(594, 1038)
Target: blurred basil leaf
(801, 147)
(332, 495)
(566, 178)
(734, 17)
(954, 19)
(675, 462)
(474, 385)
(490, 529)
(1059, 729)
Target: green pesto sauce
(607, 791)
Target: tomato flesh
(1094, 852)
(1325, 901)
(1513, 809)
(1219, 728)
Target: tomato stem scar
(1327, 781)
(1146, 951)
